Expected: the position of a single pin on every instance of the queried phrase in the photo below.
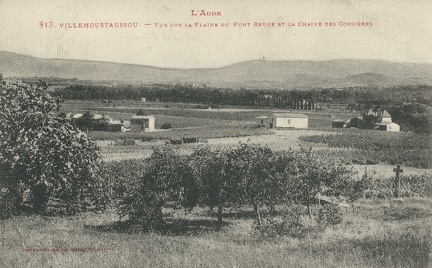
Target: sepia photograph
(216, 133)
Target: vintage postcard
(215, 133)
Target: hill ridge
(258, 73)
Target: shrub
(379, 147)
(166, 125)
(120, 179)
(419, 185)
(289, 224)
(160, 183)
(414, 185)
(329, 215)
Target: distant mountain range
(250, 74)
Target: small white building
(261, 120)
(144, 123)
(389, 126)
(385, 118)
(283, 120)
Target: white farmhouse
(284, 120)
(144, 123)
(261, 120)
(385, 118)
(388, 126)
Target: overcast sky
(401, 31)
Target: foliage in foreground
(247, 175)
(44, 161)
(229, 177)
(159, 184)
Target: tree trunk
(309, 205)
(257, 211)
(219, 217)
(39, 198)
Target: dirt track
(282, 139)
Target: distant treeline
(284, 99)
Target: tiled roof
(288, 115)
(142, 117)
(386, 114)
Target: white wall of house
(287, 122)
(292, 122)
(262, 120)
(386, 120)
(142, 123)
(393, 127)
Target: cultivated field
(228, 126)
(373, 232)
(275, 139)
(222, 126)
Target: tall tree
(254, 172)
(41, 154)
(211, 171)
(160, 184)
(315, 175)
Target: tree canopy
(43, 158)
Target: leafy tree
(159, 185)
(42, 157)
(370, 121)
(210, 167)
(141, 112)
(85, 122)
(188, 188)
(329, 214)
(314, 176)
(166, 125)
(259, 178)
(101, 124)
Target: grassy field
(376, 235)
(190, 116)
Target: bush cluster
(290, 223)
(244, 175)
(166, 125)
(222, 177)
